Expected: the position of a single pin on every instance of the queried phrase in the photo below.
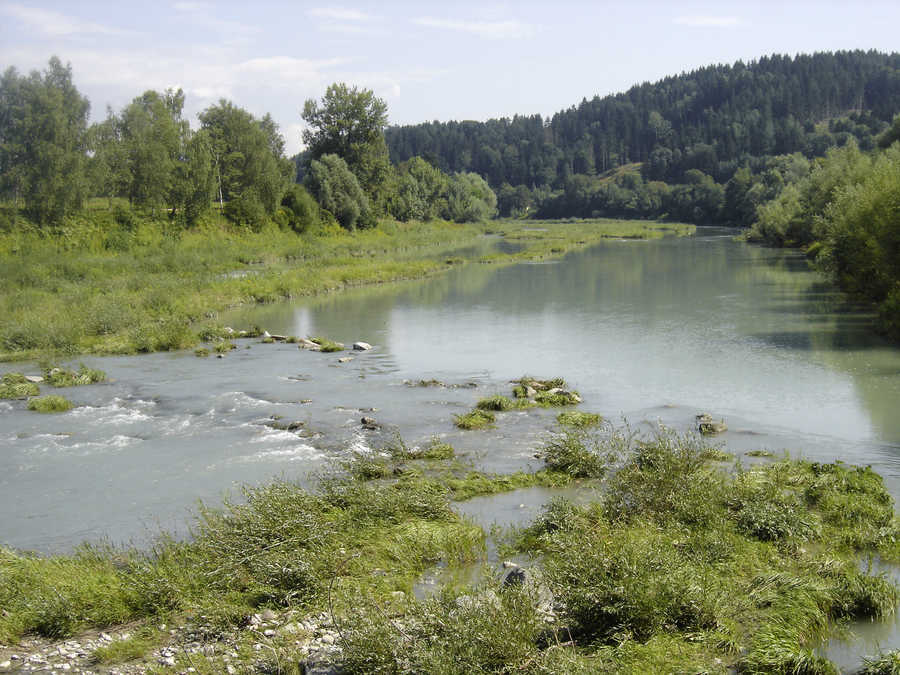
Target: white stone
(361, 346)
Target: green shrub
(665, 479)
(575, 453)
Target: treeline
(714, 120)
(52, 160)
(844, 209)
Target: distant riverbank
(142, 287)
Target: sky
(427, 60)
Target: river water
(647, 331)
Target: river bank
(146, 288)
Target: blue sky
(429, 61)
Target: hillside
(714, 119)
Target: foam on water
(242, 400)
(359, 445)
(56, 444)
(113, 413)
(296, 453)
(267, 435)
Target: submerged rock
(707, 426)
(345, 359)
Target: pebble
(268, 615)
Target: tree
(194, 181)
(107, 168)
(249, 174)
(43, 126)
(891, 135)
(470, 199)
(153, 134)
(336, 189)
(349, 123)
(420, 192)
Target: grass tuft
(327, 345)
(64, 377)
(14, 385)
(887, 663)
(576, 418)
(50, 404)
(223, 347)
(501, 403)
(475, 419)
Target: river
(647, 331)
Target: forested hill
(714, 119)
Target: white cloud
(53, 23)
(284, 71)
(494, 30)
(708, 21)
(338, 14)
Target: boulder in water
(707, 426)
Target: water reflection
(704, 322)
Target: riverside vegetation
(684, 563)
(138, 286)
